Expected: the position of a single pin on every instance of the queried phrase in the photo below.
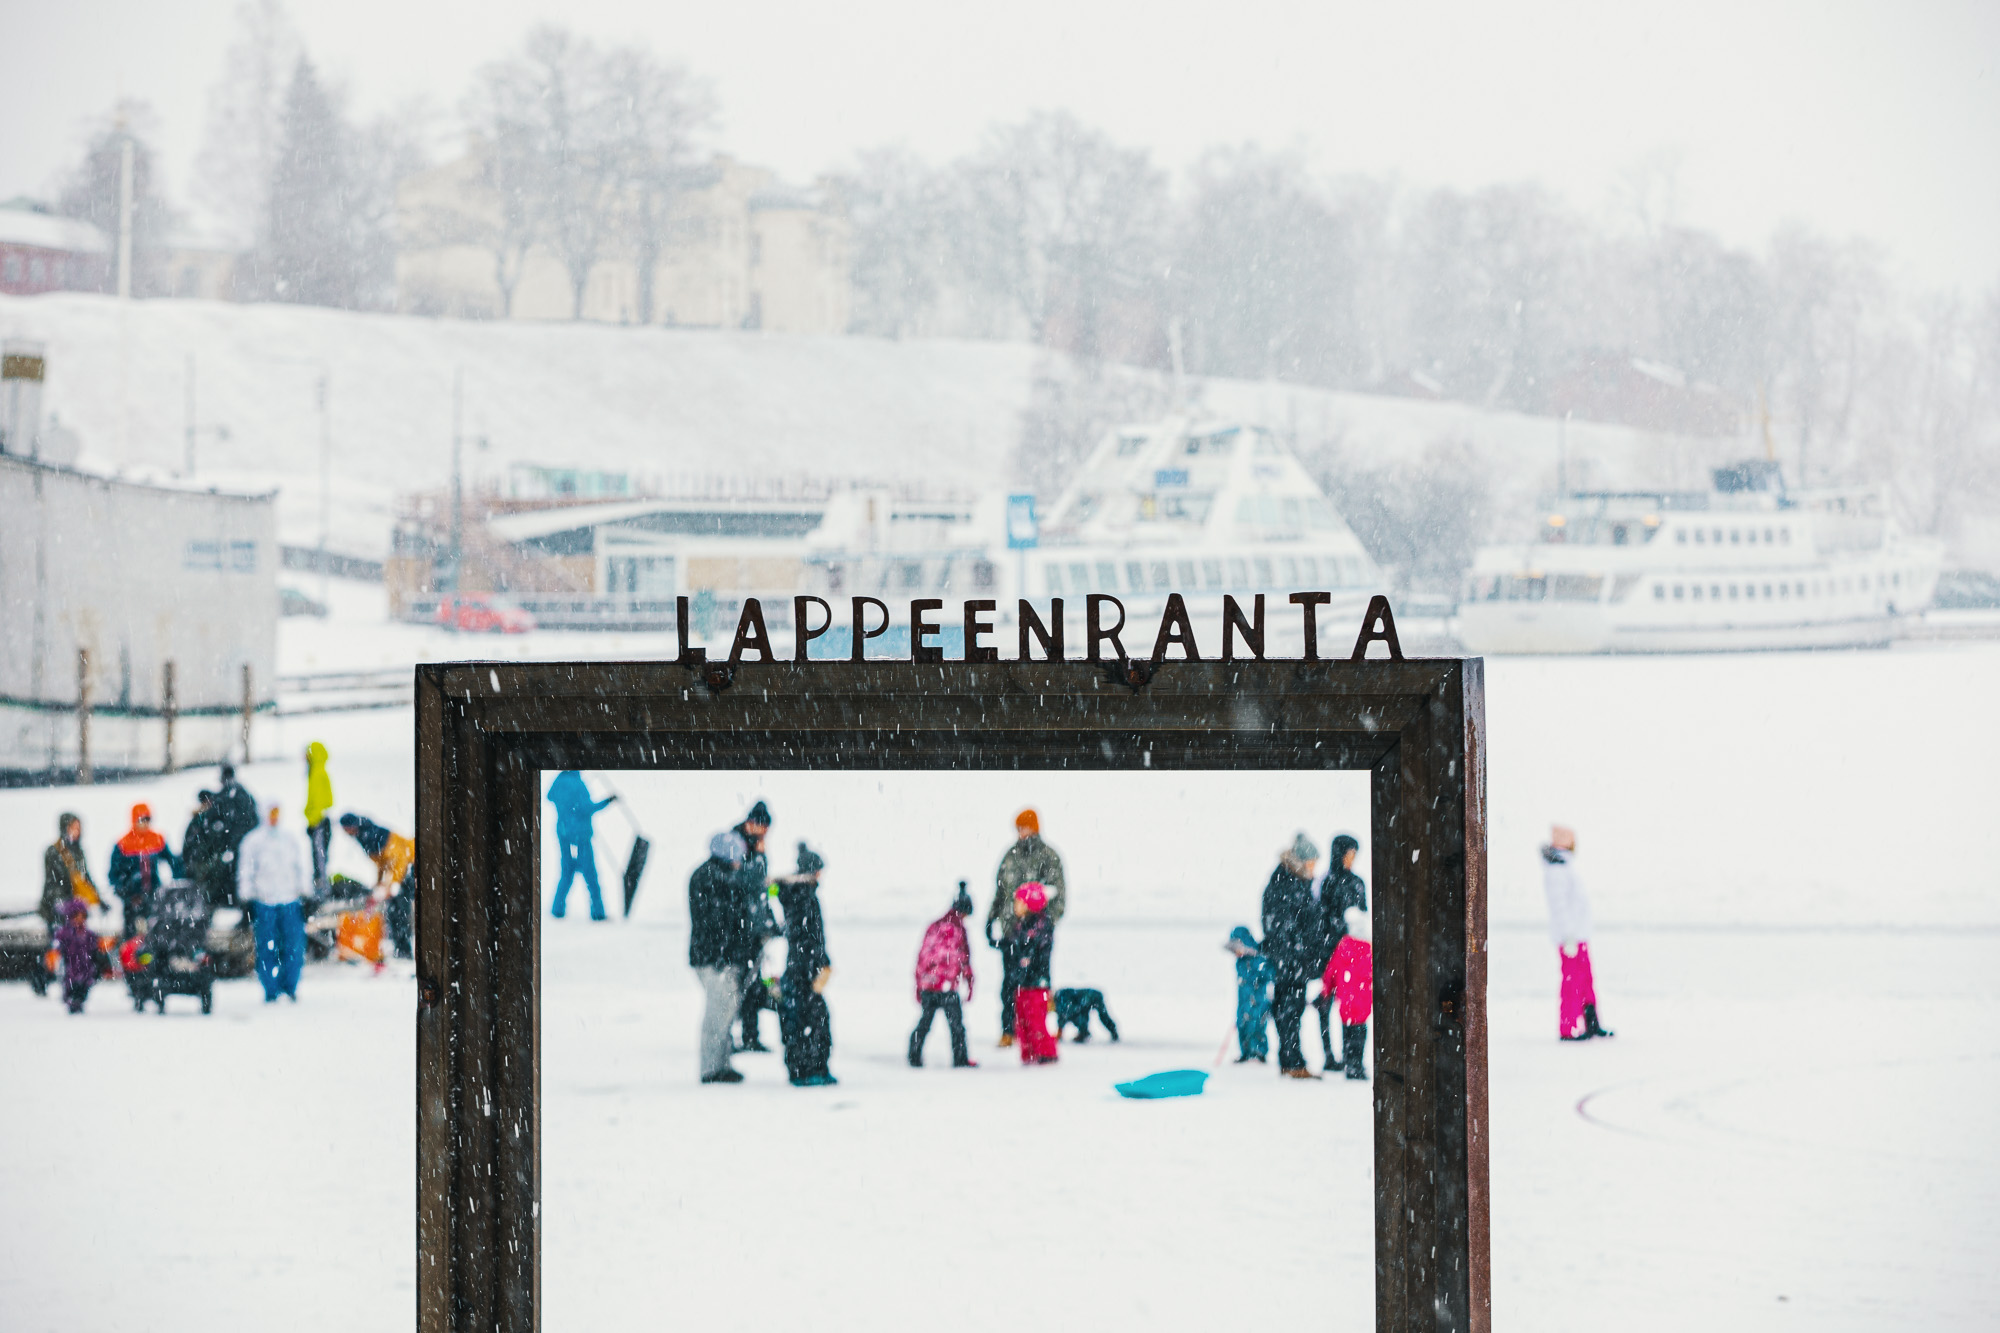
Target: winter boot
(1591, 1027)
(1353, 1047)
(1300, 1072)
(1006, 1040)
(916, 1053)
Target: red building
(40, 252)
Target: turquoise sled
(1172, 1083)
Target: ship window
(1294, 515)
(1617, 534)
(1163, 578)
(1681, 536)
(1239, 574)
(1735, 536)
(1767, 592)
(1784, 590)
(1578, 587)
(1715, 592)
(1700, 535)
(1659, 592)
(1677, 591)
(1524, 588)
(1291, 571)
(982, 575)
(1732, 592)
(1715, 535)
(1697, 592)
(1896, 579)
(1267, 511)
(1310, 564)
(1135, 576)
(1186, 573)
(1211, 573)
(1053, 573)
(1750, 536)
(1246, 510)
(1264, 576)
(1079, 577)
(1107, 576)
(1800, 589)
(912, 574)
(1767, 536)
(1784, 535)
(1130, 444)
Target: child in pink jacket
(943, 960)
(1350, 979)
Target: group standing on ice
(235, 853)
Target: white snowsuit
(1569, 910)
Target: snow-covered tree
(307, 254)
(659, 115)
(239, 151)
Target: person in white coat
(1569, 926)
(272, 875)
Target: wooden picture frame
(487, 730)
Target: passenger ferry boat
(1748, 565)
(1205, 509)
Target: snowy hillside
(649, 401)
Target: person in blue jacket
(574, 811)
(1253, 996)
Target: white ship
(1748, 565)
(1205, 509)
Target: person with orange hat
(136, 859)
(1028, 861)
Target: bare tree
(240, 146)
(658, 116)
(1063, 222)
(901, 211)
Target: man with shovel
(574, 811)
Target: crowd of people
(235, 853)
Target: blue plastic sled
(1172, 1083)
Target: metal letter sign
(486, 731)
(1022, 532)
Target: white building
(738, 251)
(136, 577)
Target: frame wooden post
(486, 731)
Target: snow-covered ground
(1797, 907)
(655, 402)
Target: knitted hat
(1028, 820)
(727, 846)
(810, 860)
(963, 903)
(1032, 896)
(1303, 849)
(759, 814)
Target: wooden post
(168, 712)
(83, 716)
(249, 707)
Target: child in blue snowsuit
(1253, 996)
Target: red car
(482, 613)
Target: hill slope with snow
(647, 401)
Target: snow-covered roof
(533, 523)
(46, 231)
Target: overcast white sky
(1880, 120)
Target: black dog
(1074, 1005)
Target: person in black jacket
(232, 814)
(1291, 942)
(717, 928)
(803, 1018)
(764, 928)
(1343, 889)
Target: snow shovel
(635, 864)
(1171, 1083)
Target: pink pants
(1031, 1025)
(1578, 988)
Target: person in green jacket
(319, 817)
(1028, 861)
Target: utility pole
(325, 491)
(83, 717)
(457, 473)
(1562, 458)
(169, 711)
(124, 285)
(189, 469)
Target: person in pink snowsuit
(943, 960)
(1569, 926)
(1350, 980)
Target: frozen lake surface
(1797, 908)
